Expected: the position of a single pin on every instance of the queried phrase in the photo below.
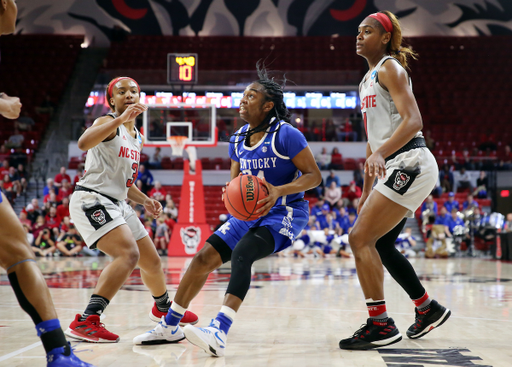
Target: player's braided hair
(273, 91)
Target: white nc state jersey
(380, 116)
(111, 167)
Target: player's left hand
(153, 207)
(269, 201)
(375, 165)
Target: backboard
(196, 121)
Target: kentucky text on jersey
(125, 152)
(369, 101)
(259, 163)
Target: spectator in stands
(331, 224)
(50, 186)
(316, 210)
(71, 244)
(62, 175)
(454, 221)
(155, 159)
(321, 218)
(23, 218)
(51, 200)
(33, 210)
(451, 203)
(161, 237)
(319, 190)
(170, 209)
(65, 190)
(30, 236)
(443, 216)
(23, 175)
(63, 209)
(335, 157)
(15, 140)
(332, 177)
(332, 194)
(47, 106)
(406, 242)
(145, 178)
(4, 170)
(158, 193)
(15, 179)
(352, 217)
(429, 205)
(24, 122)
(39, 226)
(330, 130)
(53, 221)
(353, 192)
(466, 161)
(482, 184)
(446, 179)
(43, 244)
(148, 225)
(341, 216)
(323, 159)
(359, 175)
(64, 227)
(8, 189)
(464, 183)
(4, 152)
(469, 203)
(78, 175)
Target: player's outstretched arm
(104, 128)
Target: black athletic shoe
(426, 322)
(373, 335)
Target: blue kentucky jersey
(271, 157)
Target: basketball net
(178, 143)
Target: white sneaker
(161, 334)
(211, 339)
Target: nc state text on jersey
(125, 152)
(369, 101)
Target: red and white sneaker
(189, 318)
(91, 330)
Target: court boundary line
(19, 351)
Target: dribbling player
(284, 160)
(16, 256)
(396, 154)
(104, 219)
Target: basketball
(242, 196)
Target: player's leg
(429, 313)
(378, 216)
(255, 245)
(153, 277)
(30, 288)
(204, 262)
(121, 246)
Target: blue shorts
(284, 222)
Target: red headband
(118, 79)
(384, 20)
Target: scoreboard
(181, 68)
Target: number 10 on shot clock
(182, 68)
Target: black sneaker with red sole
(426, 322)
(373, 335)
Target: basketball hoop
(177, 143)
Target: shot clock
(181, 68)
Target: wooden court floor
(294, 315)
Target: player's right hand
(132, 111)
